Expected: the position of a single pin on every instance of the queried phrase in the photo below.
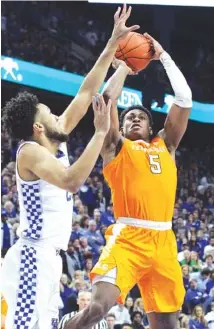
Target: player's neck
(49, 144)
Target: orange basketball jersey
(143, 180)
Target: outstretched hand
(118, 62)
(120, 30)
(158, 49)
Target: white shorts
(30, 285)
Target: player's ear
(38, 127)
(150, 131)
(121, 131)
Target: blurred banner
(196, 3)
(38, 76)
(43, 77)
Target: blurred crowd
(193, 224)
(71, 36)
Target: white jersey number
(154, 161)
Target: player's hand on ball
(120, 30)
(158, 49)
(118, 62)
(101, 114)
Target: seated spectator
(208, 262)
(129, 304)
(87, 269)
(71, 260)
(83, 300)
(78, 275)
(185, 322)
(198, 320)
(84, 221)
(107, 217)
(210, 283)
(209, 250)
(137, 319)
(195, 263)
(110, 319)
(121, 314)
(187, 259)
(6, 232)
(193, 296)
(202, 242)
(97, 217)
(76, 231)
(186, 277)
(10, 209)
(65, 289)
(193, 244)
(209, 317)
(202, 278)
(138, 307)
(95, 240)
(85, 249)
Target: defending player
(141, 172)
(32, 267)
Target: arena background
(69, 36)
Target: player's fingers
(94, 103)
(148, 36)
(108, 107)
(116, 15)
(133, 28)
(124, 10)
(99, 106)
(102, 103)
(128, 12)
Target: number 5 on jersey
(154, 162)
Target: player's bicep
(41, 163)
(175, 126)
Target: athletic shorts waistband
(147, 224)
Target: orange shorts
(146, 257)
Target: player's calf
(163, 320)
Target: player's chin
(135, 134)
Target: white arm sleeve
(183, 94)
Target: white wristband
(183, 94)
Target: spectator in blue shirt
(193, 296)
(198, 321)
(6, 232)
(210, 283)
(202, 279)
(76, 231)
(202, 242)
(95, 240)
(107, 217)
(186, 277)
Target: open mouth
(136, 125)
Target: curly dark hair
(18, 115)
(135, 107)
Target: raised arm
(93, 81)
(177, 118)
(39, 161)
(113, 90)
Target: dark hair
(135, 107)
(18, 115)
(135, 313)
(112, 315)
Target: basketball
(135, 50)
